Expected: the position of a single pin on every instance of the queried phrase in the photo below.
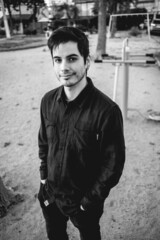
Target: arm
(112, 158)
(43, 145)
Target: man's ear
(88, 60)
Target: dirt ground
(132, 210)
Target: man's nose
(64, 65)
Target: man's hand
(43, 181)
(81, 207)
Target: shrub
(134, 31)
(2, 32)
(30, 32)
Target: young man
(81, 142)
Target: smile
(65, 76)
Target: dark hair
(66, 34)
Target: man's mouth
(65, 76)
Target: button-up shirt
(81, 146)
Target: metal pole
(125, 56)
(148, 26)
(115, 82)
(130, 61)
(5, 21)
(109, 27)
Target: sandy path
(133, 208)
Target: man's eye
(57, 60)
(72, 59)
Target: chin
(69, 85)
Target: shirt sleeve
(112, 158)
(43, 144)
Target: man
(81, 142)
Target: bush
(2, 32)
(30, 32)
(134, 31)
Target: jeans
(87, 222)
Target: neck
(73, 91)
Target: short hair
(66, 34)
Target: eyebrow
(71, 55)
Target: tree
(72, 12)
(20, 16)
(66, 11)
(7, 4)
(12, 4)
(101, 44)
(7, 198)
(16, 5)
(124, 6)
(34, 5)
(105, 6)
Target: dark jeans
(87, 222)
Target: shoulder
(103, 100)
(52, 93)
(50, 96)
(106, 107)
(109, 113)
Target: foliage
(69, 11)
(95, 8)
(31, 4)
(2, 32)
(11, 3)
(30, 32)
(124, 6)
(28, 3)
(64, 11)
(16, 5)
(134, 31)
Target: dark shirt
(81, 146)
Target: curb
(22, 47)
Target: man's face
(69, 65)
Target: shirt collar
(81, 98)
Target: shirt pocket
(84, 136)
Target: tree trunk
(34, 17)
(10, 17)
(21, 30)
(7, 30)
(7, 198)
(113, 10)
(113, 26)
(101, 44)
